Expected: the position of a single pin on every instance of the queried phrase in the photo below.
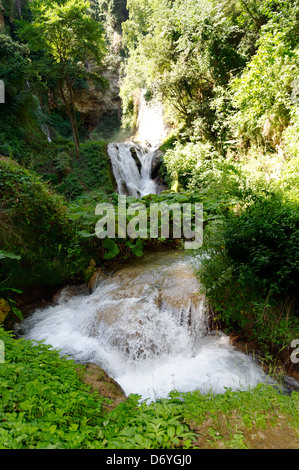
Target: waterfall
(146, 326)
(132, 162)
(145, 322)
(151, 126)
(132, 166)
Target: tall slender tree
(68, 33)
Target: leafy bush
(19, 127)
(252, 273)
(43, 403)
(34, 226)
(82, 212)
(198, 168)
(261, 98)
(183, 160)
(291, 134)
(263, 244)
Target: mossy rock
(102, 383)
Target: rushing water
(131, 166)
(151, 126)
(146, 325)
(132, 161)
(145, 322)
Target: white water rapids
(145, 323)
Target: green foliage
(183, 160)
(65, 30)
(19, 126)
(182, 51)
(89, 172)
(264, 241)
(44, 405)
(147, 426)
(217, 68)
(251, 275)
(67, 33)
(290, 136)
(229, 418)
(34, 227)
(260, 96)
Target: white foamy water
(132, 175)
(151, 127)
(146, 326)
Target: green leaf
(17, 312)
(5, 254)
(171, 431)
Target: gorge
(145, 322)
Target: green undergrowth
(71, 176)
(40, 244)
(34, 227)
(82, 212)
(44, 404)
(250, 272)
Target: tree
(66, 31)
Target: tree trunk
(73, 110)
(71, 118)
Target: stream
(146, 325)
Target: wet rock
(102, 383)
(156, 165)
(92, 283)
(135, 157)
(291, 384)
(68, 292)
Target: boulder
(156, 165)
(102, 383)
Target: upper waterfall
(132, 168)
(135, 163)
(151, 126)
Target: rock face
(100, 382)
(135, 157)
(96, 101)
(156, 164)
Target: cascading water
(132, 162)
(131, 166)
(144, 323)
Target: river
(146, 325)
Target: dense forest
(227, 75)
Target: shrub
(34, 226)
(252, 273)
